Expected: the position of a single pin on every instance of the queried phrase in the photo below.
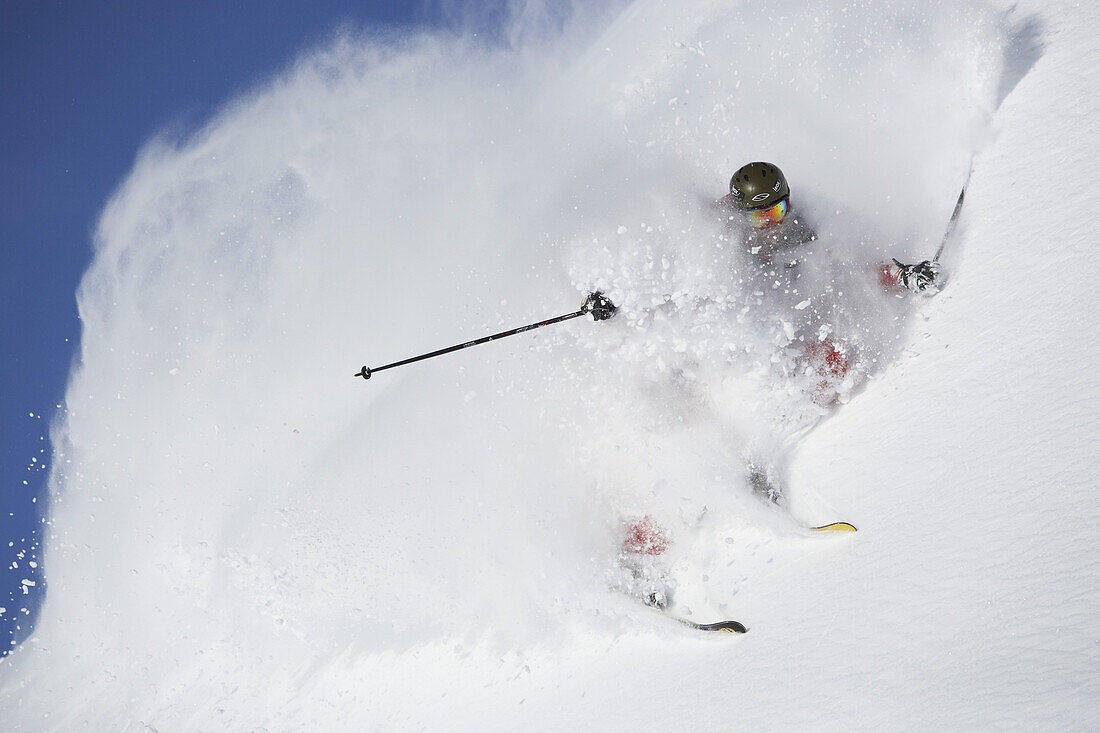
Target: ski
(731, 627)
(835, 527)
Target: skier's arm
(922, 278)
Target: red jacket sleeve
(889, 274)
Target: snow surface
(244, 537)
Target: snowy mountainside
(246, 537)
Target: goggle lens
(770, 215)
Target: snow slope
(246, 538)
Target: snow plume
(236, 519)
(730, 360)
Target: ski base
(835, 527)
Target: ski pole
(596, 303)
(954, 214)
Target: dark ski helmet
(758, 186)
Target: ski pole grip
(600, 306)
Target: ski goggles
(771, 215)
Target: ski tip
(731, 627)
(835, 527)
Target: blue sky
(84, 84)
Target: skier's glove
(923, 277)
(599, 306)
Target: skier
(758, 207)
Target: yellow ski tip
(835, 527)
